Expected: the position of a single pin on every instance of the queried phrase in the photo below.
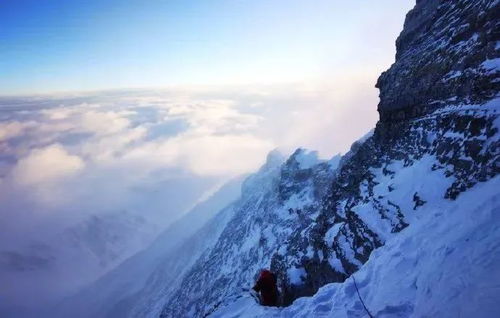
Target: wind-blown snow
(445, 264)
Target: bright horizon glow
(55, 46)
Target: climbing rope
(359, 295)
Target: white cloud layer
(47, 164)
(136, 160)
(140, 136)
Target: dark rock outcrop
(447, 56)
(445, 137)
(442, 58)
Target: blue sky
(48, 46)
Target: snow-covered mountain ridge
(275, 203)
(427, 270)
(383, 186)
(437, 138)
(387, 184)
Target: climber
(266, 286)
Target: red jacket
(266, 285)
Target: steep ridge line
(427, 127)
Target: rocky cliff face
(438, 115)
(446, 55)
(378, 191)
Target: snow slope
(445, 264)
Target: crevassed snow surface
(445, 264)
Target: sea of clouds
(88, 179)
